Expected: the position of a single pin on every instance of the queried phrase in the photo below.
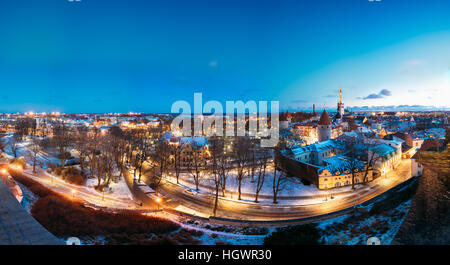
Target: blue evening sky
(142, 55)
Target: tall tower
(340, 106)
(324, 127)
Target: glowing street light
(73, 193)
(158, 201)
(4, 171)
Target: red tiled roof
(404, 136)
(428, 144)
(324, 118)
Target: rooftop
(324, 119)
(338, 164)
(383, 149)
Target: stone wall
(428, 220)
(17, 227)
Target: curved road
(202, 204)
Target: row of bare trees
(102, 153)
(250, 162)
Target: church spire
(340, 95)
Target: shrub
(307, 234)
(255, 231)
(184, 236)
(394, 199)
(73, 175)
(65, 217)
(220, 243)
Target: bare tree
(358, 151)
(224, 167)
(13, 144)
(241, 156)
(107, 158)
(119, 150)
(261, 170)
(139, 150)
(253, 163)
(33, 150)
(93, 146)
(25, 126)
(176, 152)
(194, 166)
(369, 165)
(81, 145)
(160, 161)
(279, 179)
(62, 141)
(216, 148)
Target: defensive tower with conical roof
(324, 127)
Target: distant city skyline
(141, 56)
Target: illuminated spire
(340, 95)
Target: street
(202, 204)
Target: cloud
(396, 108)
(411, 65)
(213, 63)
(414, 63)
(373, 96)
(383, 93)
(331, 96)
(411, 90)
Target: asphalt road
(202, 204)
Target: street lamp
(4, 171)
(73, 193)
(158, 201)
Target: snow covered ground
(119, 188)
(290, 187)
(355, 229)
(293, 190)
(28, 198)
(46, 157)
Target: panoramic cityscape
(214, 123)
